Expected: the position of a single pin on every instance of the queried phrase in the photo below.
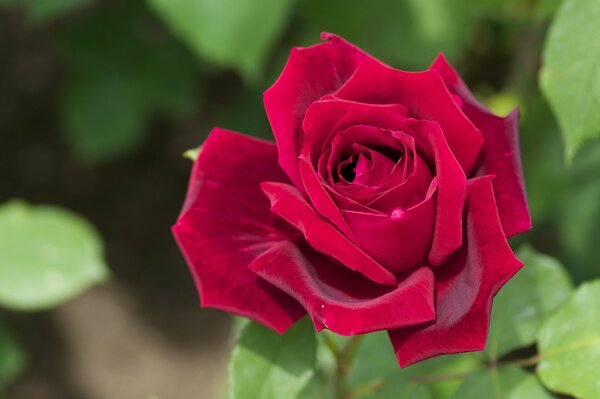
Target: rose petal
(451, 191)
(465, 285)
(425, 96)
(397, 241)
(287, 202)
(226, 222)
(344, 301)
(501, 155)
(309, 74)
(330, 114)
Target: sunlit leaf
(570, 76)
(267, 365)
(526, 301)
(569, 345)
(507, 382)
(47, 256)
(233, 33)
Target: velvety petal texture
(226, 223)
(501, 153)
(385, 204)
(309, 74)
(465, 285)
(344, 301)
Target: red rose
(384, 205)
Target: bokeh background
(99, 99)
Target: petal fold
(309, 74)
(344, 301)
(288, 202)
(226, 223)
(501, 153)
(465, 285)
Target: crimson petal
(344, 301)
(309, 74)
(287, 202)
(465, 285)
(226, 223)
(426, 97)
(501, 154)
(451, 191)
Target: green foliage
(507, 382)
(40, 11)
(267, 365)
(514, 9)
(120, 79)
(407, 34)
(376, 362)
(12, 358)
(47, 256)
(231, 33)
(570, 77)
(526, 301)
(569, 344)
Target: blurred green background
(100, 98)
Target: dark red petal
(344, 301)
(425, 96)
(451, 191)
(309, 74)
(226, 222)
(320, 198)
(287, 202)
(397, 241)
(501, 155)
(465, 285)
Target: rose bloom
(385, 204)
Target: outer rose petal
(501, 155)
(342, 300)
(226, 222)
(309, 74)
(425, 96)
(465, 285)
(287, 202)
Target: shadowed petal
(287, 202)
(465, 285)
(344, 301)
(226, 222)
(501, 154)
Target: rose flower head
(385, 204)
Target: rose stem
(344, 359)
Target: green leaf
(569, 345)
(526, 301)
(376, 361)
(267, 365)
(408, 34)
(579, 229)
(231, 33)
(570, 76)
(102, 118)
(506, 382)
(120, 78)
(12, 358)
(39, 11)
(47, 256)
(43, 10)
